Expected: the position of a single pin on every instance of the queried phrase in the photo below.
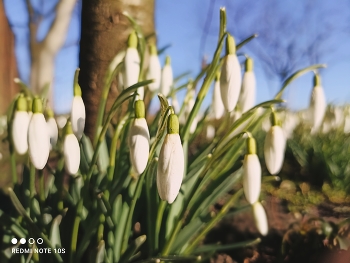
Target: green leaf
(100, 255)
(132, 249)
(55, 236)
(24, 88)
(162, 49)
(214, 248)
(245, 41)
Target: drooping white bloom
(131, 62)
(71, 151)
(38, 137)
(260, 218)
(318, 104)
(274, 148)
(167, 78)
(251, 173)
(154, 69)
(78, 116)
(230, 80)
(52, 128)
(210, 132)
(139, 139)
(218, 106)
(170, 163)
(247, 98)
(20, 124)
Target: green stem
(213, 222)
(32, 181)
(41, 186)
(160, 213)
(13, 166)
(75, 231)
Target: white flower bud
(71, 153)
(230, 79)
(247, 99)
(170, 163)
(154, 70)
(167, 78)
(53, 131)
(78, 116)
(251, 173)
(260, 218)
(218, 106)
(139, 144)
(131, 62)
(20, 131)
(274, 148)
(38, 140)
(318, 104)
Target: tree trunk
(8, 68)
(104, 31)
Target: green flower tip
(173, 124)
(37, 105)
(317, 80)
(153, 49)
(139, 109)
(251, 145)
(274, 119)
(167, 60)
(76, 87)
(230, 45)
(249, 64)
(21, 104)
(68, 128)
(132, 40)
(217, 76)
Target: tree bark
(104, 31)
(8, 68)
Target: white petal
(218, 106)
(274, 148)
(260, 218)
(139, 145)
(167, 80)
(132, 67)
(170, 168)
(317, 107)
(230, 82)
(251, 177)
(38, 141)
(154, 72)
(247, 99)
(71, 152)
(20, 131)
(53, 131)
(78, 116)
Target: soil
(292, 237)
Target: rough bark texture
(8, 68)
(104, 31)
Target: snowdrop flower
(154, 69)
(274, 147)
(131, 62)
(251, 172)
(260, 218)
(167, 78)
(71, 150)
(247, 99)
(218, 106)
(52, 128)
(20, 126)
(230, 80)
(38, 136)
(317, 104)
(210, 132)
(171, 162)
(139, 139)
(78, 110)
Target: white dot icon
(14, 241)
(22, 241)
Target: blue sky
(182, 23)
